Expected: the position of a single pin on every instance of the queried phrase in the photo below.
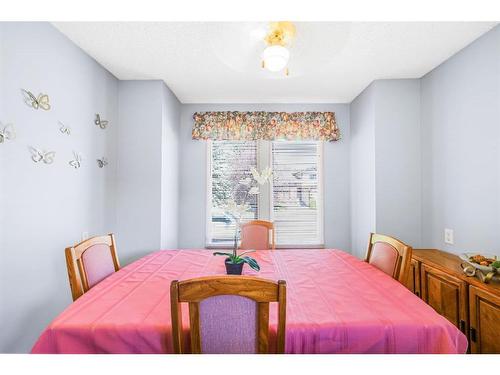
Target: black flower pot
(233, 269)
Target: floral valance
(249, 126)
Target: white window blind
(231, 162)
(296, 193)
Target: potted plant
(250, 186)
(234, 262)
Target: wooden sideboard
(474, 307)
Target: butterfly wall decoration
(102, 162)
(77, 161)
(101, 123)
(40, 101)
(38, 155)
(64, 129)
(7, 132)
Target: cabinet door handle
(473, 334)
(462, 326)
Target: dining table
(336, 303)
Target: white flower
(242, 208)
(267, 173)
(254, 190)
(262, 177)
(235, 210)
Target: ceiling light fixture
(275, 58)
(279, 38)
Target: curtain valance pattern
(249, 126)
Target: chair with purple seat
(389, 255)
(227, 314)
(255, 235)
(90, 262)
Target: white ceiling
(219, 62)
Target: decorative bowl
(465, 257)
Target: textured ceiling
(219, 62)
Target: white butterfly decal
(7, 132)
(42, 101)
(64, 129)
(77, 161)
(102, 162)
(46, 156)
(101, 123)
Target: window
(231, 162)
(296, 193)
(292, 200)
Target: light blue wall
(138, 192)
(386, 163)
(460, 107)
(171, 112)
(398, 171)
(146, 177)
(45, 208)
(435, 142)
(362, 169)
(193, 174)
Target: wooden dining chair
(89, 262)
(390, 255)
(228, 314)
(255, 235)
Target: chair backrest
(228, 314)
(390, 255)
(255, 235)
(89, 262)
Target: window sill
(278, 247)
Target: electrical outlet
(448, 236)
(85, 235)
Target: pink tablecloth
(335, 304)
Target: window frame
(264, 147)
(208, 197)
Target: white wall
(147, 183)
(45, 208)
(193, 174)
(460, 107)
(362, 169)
